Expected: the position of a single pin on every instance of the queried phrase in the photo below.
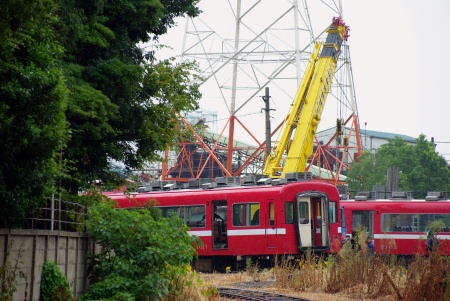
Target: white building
(370, 140)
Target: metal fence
(57, 214)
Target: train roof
(301, 185)
(396, 196)
(394, 201)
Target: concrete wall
(68, 250)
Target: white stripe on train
(408, 236)
(268, 231)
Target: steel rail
(251, 295)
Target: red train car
(399, 226)
(260, 221)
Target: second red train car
(400, 226)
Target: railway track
(251, 295)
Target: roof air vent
(170, 186)
(264, 181)
(209, 185)
(401, 195)
(248, 180)
(436, 196)
(221, 181)
(298, 176)
(228, 181)
(344, 196)
(278, 181)
(196, 183)
(364, 195)
(156, 185)
(144, 188)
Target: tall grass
(300, 274)
(353, 272)
(428, 278)
(357, 272)
(190, 287)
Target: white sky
(400, 52)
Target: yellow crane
(296, 142)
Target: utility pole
(266, 99)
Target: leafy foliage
(421, 167)
(33, 129)
(142, 253)
(9, 271)
(120, 96)
(54, 286)
(77, 90)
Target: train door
(362, 220)
(312, 218)
(270, 225)
(219, 224)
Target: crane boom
(296, 142)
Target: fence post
(59, 216)
(53, 212)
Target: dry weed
(428, 278)
(353, 274)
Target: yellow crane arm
(296, 142)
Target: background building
(370, 140)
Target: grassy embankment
(352, 274)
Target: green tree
(77, 89)
(33, 129)
(141, 253)
(422, 169)
(122, 102)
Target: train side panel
(399, 227)
(253, 221)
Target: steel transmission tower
(242, 47)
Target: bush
(142, 253)
(54, 285)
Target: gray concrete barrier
(31, 248)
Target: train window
(413, 222)
(303, 212)
(332, 211)
(192, 216)
(170, 211)
(362, 221)
(221, 211)
(271, 213)
(246, 214)
(289, 212)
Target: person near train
(370, 245)
(432, 242)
